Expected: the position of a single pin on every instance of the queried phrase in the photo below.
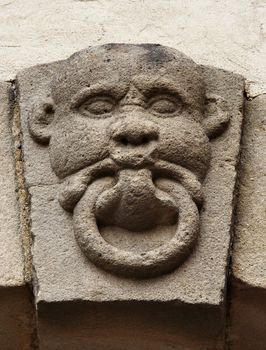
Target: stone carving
(129, 129)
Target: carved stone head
(128, 129)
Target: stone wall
(40, 310)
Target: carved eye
(165, 105)
(97, 106)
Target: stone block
(248, 306)
(10, 247)
(15, 306)
(131, 154)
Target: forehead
(123, 65)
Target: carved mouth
(134, 263)
(134, 199)
(75, 185)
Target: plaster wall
(223, 33)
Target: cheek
(185, 143)
(76, 145)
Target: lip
(134, 157)
(134, 161)
(75, 185)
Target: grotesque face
(127, 129)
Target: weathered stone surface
(248, 306)
(15, 310)
(11, 272)
(144, 144)
(36, 163)
(83, 138)
(249, 260)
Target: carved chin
(136, 203)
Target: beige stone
(10, 247)
(248, 307)
(103, 121)
(15, 306)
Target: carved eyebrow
(150, 86)
(115, 90)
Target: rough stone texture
(248, 306)
(63, 271)
(11, 273)
(72, 138)
(226, 34)
(37, 166)
(249, 262)
(15, 311)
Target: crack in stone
(234, 220)
(23, 194)
(24, 208)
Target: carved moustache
(75, 185)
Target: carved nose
(137, 133)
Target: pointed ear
(40, 120)
(216, 115)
